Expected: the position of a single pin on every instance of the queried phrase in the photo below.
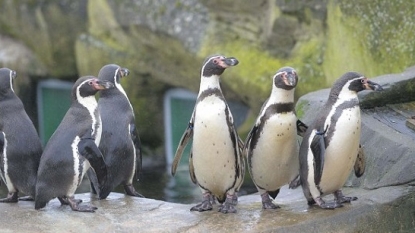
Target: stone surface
(389, 209)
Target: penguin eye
(90, 82)
(362, 80)
(215, 61)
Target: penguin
(73, 148)
(20, 146)
(216, 163)
(271, 145)
(120, 143)
(330, 146)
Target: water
(158, 183)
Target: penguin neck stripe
(89, 103)
(209, 92)
(269, 112)
(120, 88)
(11, 80)
(334, 116)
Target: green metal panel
(181, 111)
(54, 100)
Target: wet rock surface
(388, 209)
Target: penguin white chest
(213, 150)
(274, 161)
(342, 150)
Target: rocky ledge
(388, 209)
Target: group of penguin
(97, 138)
(320, 163)
(100, 139)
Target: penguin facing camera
(20, 146)
(271, 146)
(72, 149)
(330, 147)
(120, 143)
(216, 162)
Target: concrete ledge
(388, 209)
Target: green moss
(344, 52)
(372, 37)
(300, 108)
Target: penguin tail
(274, 194)
(39, 204)
(104, 191)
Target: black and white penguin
(20, 146)
(216, 162)
(271, 146)
(120, 142)
(330, 146)
(72, 149)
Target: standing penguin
(20, 147)
(72, 149)
(120, 142)
(216, 162)
(331, 144)
(271, 145)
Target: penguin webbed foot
(74, 204)
(11, 198)
(130, 191)
(327, 205)
(206, 203)
(340, 198)
(267, 202)
(228, 206)
(65, 201)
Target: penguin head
(6, 80)
(216, 65)
(112, 73)
(354, 82)
(286, 78)
(89, 86)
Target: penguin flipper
(318, 149)
(89, 150)
(192, 168)
(301, 128)
(138, 156)
(360, 164)
(182, 145)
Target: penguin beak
(229, 61)
(369, 85)
(124, 72)
(290, 79)
(101, 84)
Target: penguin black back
(72, 148)
(120, 142)
(21, 149)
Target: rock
(391, 208)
